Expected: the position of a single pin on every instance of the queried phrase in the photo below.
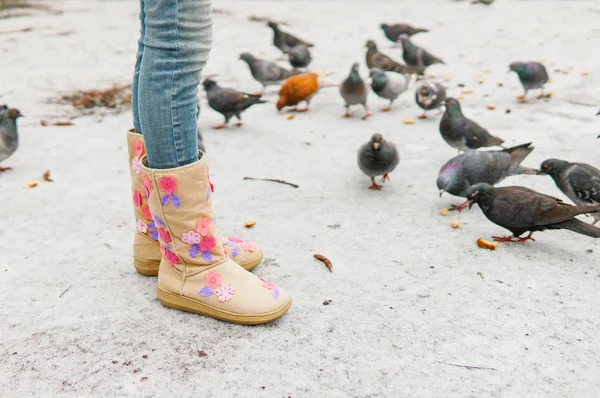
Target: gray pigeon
(9, 137)
(579, 181)
(521, 210)
(229, 102)
(299, 56)
(532, 75)
(266, 72)
(378, 157)
(462, 133)
(283, 40)
(473, 167)
(388, 85)
(354, 92)
(416, 56)
(392, 32)
(429, 96)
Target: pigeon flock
(471, 175)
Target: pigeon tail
(517, 155)
(580, 227)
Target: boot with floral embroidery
(195, 274)
(146, 249)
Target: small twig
(325, 260)
(574, 102)
(255, 18)
(468, 366)
(28, 29)
(66, 290)
(273, 180)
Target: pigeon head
(273, 25)
(376, 73)
(518, 67)
(452, 106)
(449, 178)
(371, 45)
(354, 67)
(247, 57)
(403, 38)
(384, 26)
(482, 194)
(14, 113)
(209, 84)
(376, 141)
(552, 167)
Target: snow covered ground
(410, 296)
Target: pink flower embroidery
(236, 240)
(266, 284)
(137, 198)
(168, 184)
(141, 226)
(191, 238)
(247, 246)
(203, 226)
(146, 212)
(165, 236)
(147, 185)
(212, 279)
(171, 257)
(225, 292)
(138, 148)
(212, 187)
(208, 243)
(135, 165)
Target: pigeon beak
(441, 192)
(471, 202)
(376, 145)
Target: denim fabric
(176, 38)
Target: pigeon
(416, 56)
(473, 167)
(229, 102)
(354, 92)
(521, 210)
(430, 95)
(299, 56)
(388, 85)
(532, 75)
(378, 157)
(9, 137)
(462, 133)
(392, 32)
(486, 2)
(266, 72)
(579, 181)
(284, 41)
(375, 59)
(297, 89)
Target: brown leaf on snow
(47, 176)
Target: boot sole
(150, 268)
(178, 302)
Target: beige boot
(146, 249)
(195, 274)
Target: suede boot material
(195, 274)
(146, 249)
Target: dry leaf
(444, 211)
(47, 176)
(44, 122)
(484, 244)
(480, 275)
(500, 84)
(290, 117)
(325, 261)
(447, 79)
(63, 123)
(491, 107)
(31, 184)
(455, 224)
(520, 96)
(249, 224)
(584, 73)
(408, 121)
(467, 91)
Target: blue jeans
(175, 40)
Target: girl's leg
(176, 41)
(136, 74)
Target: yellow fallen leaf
(520, 96)
(491, 107)
(467, 91)
(444, 211)
(249, 224)
(47, 176)
(454, 224)
(31, 184)
(290, 117)
(584, 73)
(447, 79)
(408, 121)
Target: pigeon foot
(367, 115)
(219, 126)
(460, 207)
(239, 124)
(386, 109)
(504, 239)
(347, 114)
(385, 178)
